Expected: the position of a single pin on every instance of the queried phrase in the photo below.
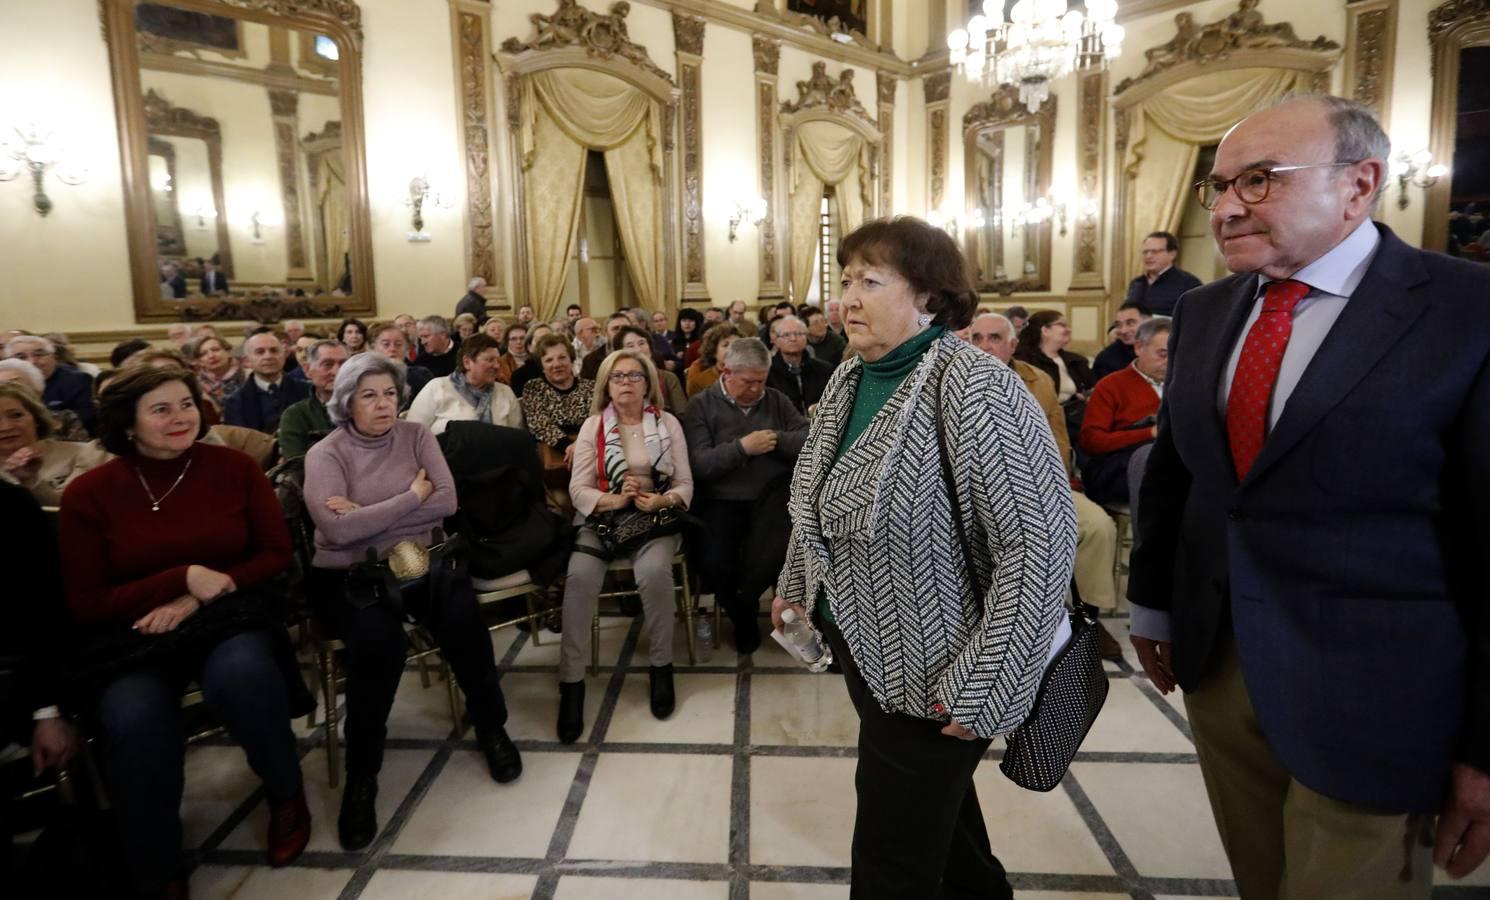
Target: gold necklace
(154, 502)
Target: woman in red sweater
(166, 550)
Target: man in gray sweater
(743, 440)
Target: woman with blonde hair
(630, 476)
(29, 454)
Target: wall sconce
(203, 212)
(1417, 169)
(257, 226)
(34, 151)
(753, 211)
(420, 193)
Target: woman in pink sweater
(374, 483)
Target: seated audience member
(795, 374)
(1042, 344)
(299, 348)
(69, 426)
(532, 367)
(410, 328)
(1162, 282)
(556, 404)
(66, 387)
(825, 344)
(380, 485)
(353, 335)
(292, 365)
(125, 351)
(29, 456)
(515, 354)
(174, 535)
(686, 336)
(213, 281)
(591, 362)
(1122, 415)
(525, 314)
(705, 370)
(1018, 316)
(437, 347)
(631, 458)
(162, 357)
(495, 329)
(662, 344)
(389, 341)
(464, 325)
(769, 316)
(587, 337)
(1096, 533)
(172, 282)
(295, 330)
(1117, 355)
(267, 393)
(743, 440)
(713, 316)
(471, 395)
(217, 369)
(574, 312)
(306, 421)
(179, 335)
(633, 338)
(474, 302)
(62, 347)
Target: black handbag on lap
(1071, 692)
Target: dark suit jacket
(71, 389)
(475, 304)
(1115, 357)
(244, 407)
(216, 283)
(804, 396)
(1350, 561)
(1161, 296)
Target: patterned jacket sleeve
(1021, 507)
(539, 412)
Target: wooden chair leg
(327, 659)
(685, 601)
(595, 641)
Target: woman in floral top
(556, 405)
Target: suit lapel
(1218, 333)
(1370, 326)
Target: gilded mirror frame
(1005, 110)
(1452, 27)
(340, 20)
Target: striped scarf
(610, 456)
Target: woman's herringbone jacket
(874, 531)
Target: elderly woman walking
(938, 660)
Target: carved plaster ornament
(601, 35)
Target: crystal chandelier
(1040, 42)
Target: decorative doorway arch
(829, 139)
(640, 100)
(1195, 87)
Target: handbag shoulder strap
(946, 460)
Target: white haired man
(474, 302)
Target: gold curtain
(566, 113)
(825, 154)
(1168, 131)
(335, 215)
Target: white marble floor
(746, 792)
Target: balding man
(1096, 533)
(178, 334)
(1312, 531)
(267, 393)
(793, 372)
(587, 337)
(474, 302)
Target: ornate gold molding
(938, 91)
(162, 118)
(938, 86)
(344, 11)
(1091, 116)
(1454, 14)
(767, 53)
(1452, 26)
(688, 34)
(284, 107)
(1216, 41)
(821, 90)
(885, 85)
(261, 309)
(601, 35)
(1371, 39)
(472, 59)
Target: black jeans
(376, 650)
(744, 544)
(144, 748)
(918, 832)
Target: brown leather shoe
(1107, 645)
(289, 830)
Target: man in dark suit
(213, 281)
(172, 281)
(1162, 282)
(1314, 522)
(268, 392)
(474, 302)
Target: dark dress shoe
(747, 636)
(502, 758)
(358, 823)
(289, 830)
(663, 698)
(571, 711)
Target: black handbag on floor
(1071, 692)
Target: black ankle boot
(358, 823)
(747, 636)
(571, 711)
(502, 758)
(663, 699)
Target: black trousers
(918, 832)
(377, 647)
(744, 547)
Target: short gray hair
(1358, 133)
(747, 353)
(782, 320)
(31, 373)
(352, 372)
(437, 324)
(10, 346)
(1151, 327)
(475, 283)
(1007, 324)
(315, 349)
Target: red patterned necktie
(1257, 373)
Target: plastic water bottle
(806, 641)
(703, 636)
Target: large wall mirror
(1457, 217)
(1007, 153)
(241, 135)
